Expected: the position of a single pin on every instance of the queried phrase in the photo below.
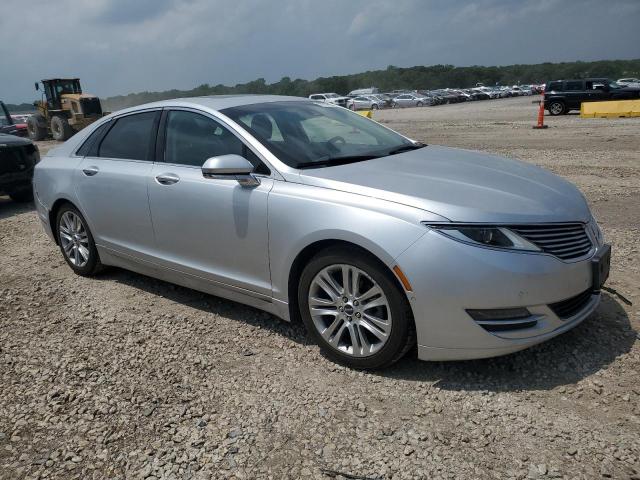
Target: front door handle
(90, 171)
(167, 178)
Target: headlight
(486, 236)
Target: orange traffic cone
(541, 115)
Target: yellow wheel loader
(63, 110)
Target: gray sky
(124, 46)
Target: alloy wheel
(350, 310)
(74, 239)
(556, 108)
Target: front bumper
(449, 277)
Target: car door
(111, 182)
(215, 229)
(575, 93)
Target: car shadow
(591, 346)
(9, 208)
(207, 303)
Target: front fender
(300, 215)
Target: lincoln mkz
(378, 243)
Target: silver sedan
(306, 210)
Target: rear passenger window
(86, 148)
(573, 86)
(131, 137)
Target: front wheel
(419, 104)
(76, 242)
(556, 108)
(22, 196)
(60, 129)
(374, 106)
(354, 310)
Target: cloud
(122, 46)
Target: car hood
(461, 185)
(13, 140)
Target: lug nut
(341, 309)
(349, 318)
(345, 299)
(356, 303)
(358, 314)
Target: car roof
(214, 102)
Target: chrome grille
(566, 241)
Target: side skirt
(262, 302)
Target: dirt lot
(123, 376)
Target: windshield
(302, 134)
(614, 85)
(332, 95)
(67, 86)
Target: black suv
(18, 156)
(562, 96)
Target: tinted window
(85, 149)
(554, 86)
(577, 85)
(192, 138)
(130, 137)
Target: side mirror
(37, 86)
(230, 167)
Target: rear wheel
(374, 106)
(76, 242)
(354, 310)
(419, 104)
(556, 108)
(35, 127)
(60, 129)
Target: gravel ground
(123, 376)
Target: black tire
(35, 127)
(419, 104)
(374, 107)
(556, 107)
(402, 336)
(394, 105)
(22, 196)
(60, 129)
(93, 264)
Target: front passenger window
(192, 138)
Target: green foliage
(392, 78)
(20, 107)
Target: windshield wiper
(406, 148)
(330, 162)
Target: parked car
(8, 125)
(410, 100)
(562, 96)
(18, 156)
(363, 91)
(365, 103)
(375, 241)
(331, 98)
(629, 82)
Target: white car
(629, 82)
(365, 103)
(333, 98)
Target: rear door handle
(167, 178)
(90, 171)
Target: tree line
(393, 78)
